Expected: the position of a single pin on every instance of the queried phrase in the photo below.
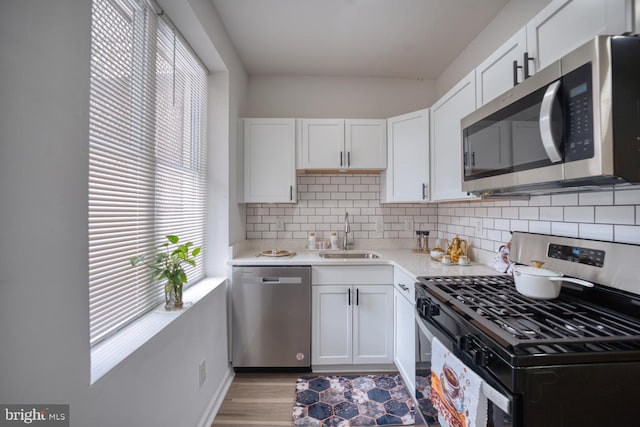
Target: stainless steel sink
(349, 255)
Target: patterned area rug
(352, 400)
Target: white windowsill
(109, 353)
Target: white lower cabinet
(352, 323)
(404, 352)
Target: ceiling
(411, 39)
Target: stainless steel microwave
(576, 123)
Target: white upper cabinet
(567, 24)
(322, 143)
(407, 176)
(495, 75)
(563, 25)
(366, 143)
(269, 169)
(446, 139)
(343, 144)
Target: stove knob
(463, 342)
(433, 310)
(480, 356)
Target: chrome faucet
(347, 230)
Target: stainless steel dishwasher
(271, 317)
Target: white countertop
(414, 264)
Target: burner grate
(536, 326)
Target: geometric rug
(352, 400)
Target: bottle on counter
(419, 241)
(312, 240)
(424, 237)
(334, 240)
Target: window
(147, 170)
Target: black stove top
(525, 326)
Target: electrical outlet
(408, 225)
(279, 223)
(477, 224)
(202, 372)
(379, 225)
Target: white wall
(44, 330)
(507, 22)
(339, 97)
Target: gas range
(564, 330)
(550, 361)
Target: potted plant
(168, 262)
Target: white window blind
(147, 157)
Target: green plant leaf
(168, 261)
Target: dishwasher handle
(281, 280)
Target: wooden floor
(258, 400)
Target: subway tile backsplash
(322, 203)
(612, 215)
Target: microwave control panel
(578, 120)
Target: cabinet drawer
(352, 275)
(405, 284)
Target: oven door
(500, 402)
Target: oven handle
(496, 397)
(551, 145)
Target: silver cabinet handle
(291, 192)
(348, 158)
(549, 142)
(403, 287)
(424, 191)
(341, 163)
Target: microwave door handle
(550, 144)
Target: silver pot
(540, 283)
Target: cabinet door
(404, 338)
(446, 139)
(373, 324)
(269, 160)
(331, 325)
(494, 75)
(366, 144)
(323, 144)
(567, 24)
(407, 176)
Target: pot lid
(536, 271)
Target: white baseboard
(213, 408)
(323, 369)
